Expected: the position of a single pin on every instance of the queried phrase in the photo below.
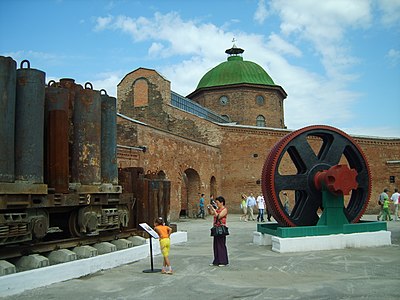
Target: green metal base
(332, 221)
(301, 231)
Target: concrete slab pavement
(254, 272)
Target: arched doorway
(213, 186)
(190, 193)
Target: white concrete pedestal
(323, 242)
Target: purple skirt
(220, 251)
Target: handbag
(220, 230)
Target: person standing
(244, 208)
(250, 203)
(395, 198)
(286, 203)
(201, 207)
(261, 206)
(219, 243)
(386, 211)
(381, 200)
(164, 232)
(268, 213)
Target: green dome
(235, 71)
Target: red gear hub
(339, 179)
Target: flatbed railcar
(58, 163)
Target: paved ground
(255, 272)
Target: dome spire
(234, 51)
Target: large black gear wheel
(291, 167)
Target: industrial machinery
(58, 158)
(324, 172)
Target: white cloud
(102, 23)
(186, 75)
(312, 98)
(324, 24)
(108, 82)
(261, 13)
(390, 12)
(179, 37)
(394, 57)
(376, 131)
(36, 59)
(156, 49)
(278, 44)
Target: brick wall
(186, 147)
(175, 156)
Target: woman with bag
(219, 234)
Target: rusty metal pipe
(86, 148)
(57, 130)
(7, 118)
(109, 166)
(29, 124)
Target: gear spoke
(302, 154)
(334, 150)
(290, 182)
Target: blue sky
(338, 60)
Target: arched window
(260, 121)
(140, 93)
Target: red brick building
(216, 140)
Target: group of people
(384, 203)
(218, 209)
(248, 203)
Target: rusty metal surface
(109, 167)
(128, 179)
(96, 189)
(22, 188)
(86, 147)
(154, 201)
(72, 87)
(57, 151)
(7, 118)
(57, 98)
(57, 138)
(29, 125)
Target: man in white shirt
(261, 206)
(395, 199)
(250, 203)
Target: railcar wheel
(73, 225)
(304, 153)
